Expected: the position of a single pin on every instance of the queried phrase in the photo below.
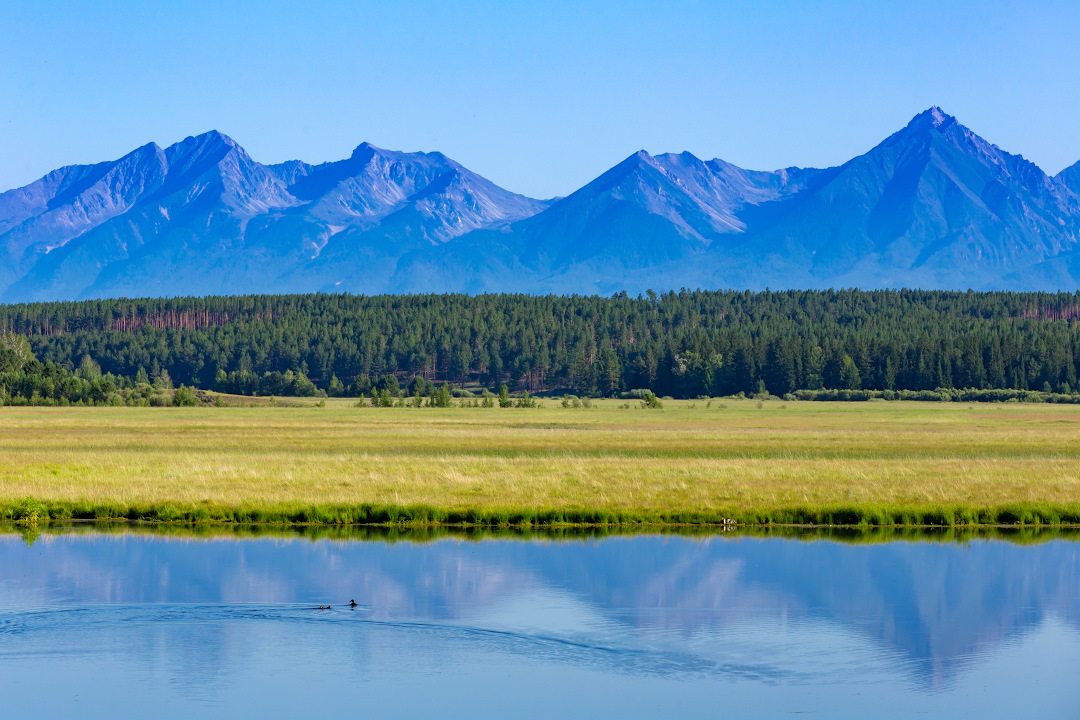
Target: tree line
(681, 344)
(25, 380)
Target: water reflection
(913, 618)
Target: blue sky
(539, 97)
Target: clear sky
(540, 97)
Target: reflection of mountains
(938, 605)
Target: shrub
(184, 397)
(649, 401)
(31, 512)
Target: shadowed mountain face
(932, 206)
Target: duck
(352, 603)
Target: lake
(106, 622)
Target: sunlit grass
(869, 460)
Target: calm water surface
(97, 624)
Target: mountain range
(933, 206)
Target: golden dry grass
(686, 457)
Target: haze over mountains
(932, 206)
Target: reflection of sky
(904, 620)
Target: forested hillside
(681, 344)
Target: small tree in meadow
(442, 396)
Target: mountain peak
(211, 144)
(933, 117)
(212, 138)
(632, 161)
(365, 149)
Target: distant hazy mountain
(932, 206)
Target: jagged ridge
(934, 205)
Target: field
(799, 462)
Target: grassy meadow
(691, 462)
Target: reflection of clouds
(704, 593)
(438, 585)
(931, 608)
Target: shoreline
(31, 511)
(211, 531)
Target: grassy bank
(692, 462)
(420, 534)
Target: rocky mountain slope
(933, 206)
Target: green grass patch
(690, 463)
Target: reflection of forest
(936, 604)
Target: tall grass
(869, 464)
